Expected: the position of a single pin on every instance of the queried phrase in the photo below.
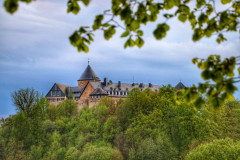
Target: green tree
(100, 153)
(217, 149)
(72, 154)
(67, 108)
(25, 99)
(111, 128)
(160, 148)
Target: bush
(220, 149)
(100, 153)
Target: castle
(90, 89)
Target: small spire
(88, 61)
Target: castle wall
(82, 84)
(55, 100)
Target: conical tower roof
(179, 86)
(88, 74)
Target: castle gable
(58, 90)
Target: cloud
(35, 51)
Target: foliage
(25, 99)
(146, 125)
(221, 73)
(150, 149)
(100, 153)
(217, 149)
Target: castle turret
(87, 75)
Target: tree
(100, 153)
(217, 149)
(203, 16)
(25, 99)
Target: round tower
(87, 75)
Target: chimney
(110, 82)
(150, 85)
(105, 81)
(119, 83)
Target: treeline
(145, 126)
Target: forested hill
(145, 126)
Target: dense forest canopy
(146, 125)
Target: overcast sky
(35, 51)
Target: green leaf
(184, 9)
(230, 88)
(126, 13)
(131, 42)
(125, 34)
(139, 42)
(97, 22)
(90, 37)
(106, 25)
(221, 38)
(86, 2)
(200, 3)
(108, 33)
(140, 33)
(161, 31)
(11, 6)
(82, 30)
(182, 17)
(198, 34)
(85, 48)
(203, 18)
(194, 60)
(206, 74)
(134, 25)
(226, 1)
(74, 38)
(210, 9)
(199, 102)
(73, 7)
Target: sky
(35, 51)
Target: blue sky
(35, 51)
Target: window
(58, 93)
(51, 93)
(155, 90)
(53, 99)
(110, 92)
(62, 99)
(55, 87)
(121, 93)
(49, 100)
(58, 99)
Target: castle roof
(62, 87)
(88, 74)
(98, 91)
(179, 86)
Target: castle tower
(87, 75)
